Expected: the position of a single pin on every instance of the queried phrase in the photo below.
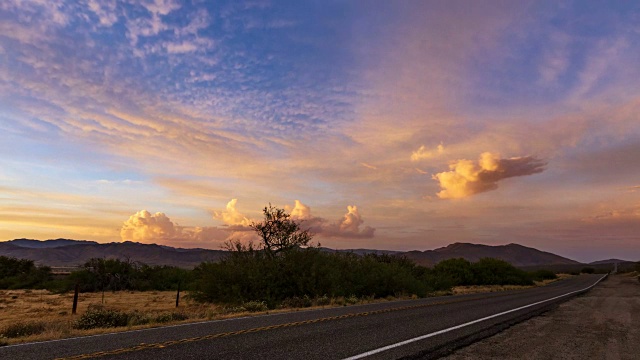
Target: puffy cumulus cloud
(231, 216)
(422, 153)
(466, 178)
(301, 211)
(347, 227)
(146, 227)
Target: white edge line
(402, 343)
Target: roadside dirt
(602, 324)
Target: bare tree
(278, 232)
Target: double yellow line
(165, 344)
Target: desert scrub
(297, 302)
(351, 299)
(138, 318)
(323, 300)
(255, 306)
(3, 341)
(99, 317)
(21, 329)
(171, 316)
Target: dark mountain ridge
(73, 254)
(65, 252)
(515, 254)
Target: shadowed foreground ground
(601, 324)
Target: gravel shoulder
(601, 324)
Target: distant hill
(363, 251)
(515, 254)
(64, 252)
(40, 244)
(610, 261)
(72, 253)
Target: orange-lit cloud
(146, 227)
(466, 178)
(347, 227)
(351, 224)
(422, 153)
(158, 228)
(231, 216)
(301, 211)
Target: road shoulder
(601, 324)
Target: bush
(138, 318)
(21, 329)
(540, 275)
(323, 300)
(98, 317)
(255, 306)
(588, 270)
(351, 300)
(171, 316)
(3, 341)
(297, 302)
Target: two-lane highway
(416, 328)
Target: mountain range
(65, 252)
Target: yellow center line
(164, 344)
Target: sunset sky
(383, 124)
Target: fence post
(178, 295)
(75, 299)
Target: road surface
(424, 328)
(602, 324)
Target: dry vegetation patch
(38, 315)
(475, 289)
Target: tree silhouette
(278, 232)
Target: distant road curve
(424, 328)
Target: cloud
(422, 153)
(347, 227)
(105, 12)
(351, 223)
(232, 216)
(626, 214)
(301, 211)
(466, 178)
(146, 227)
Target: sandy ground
(602, 324)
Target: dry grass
(475, 289)
(54, 310)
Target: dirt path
(602, 324)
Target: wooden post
(178, 295)
(75, 299)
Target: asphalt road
(424, 328)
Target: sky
(404, 125)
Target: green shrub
(255, 306)
(98, 317)
(323, 300)
(297, 302)
(540, 275)
(170, 316)
(138, 318)
(588, 270)
(351, 300)
(21, 329)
